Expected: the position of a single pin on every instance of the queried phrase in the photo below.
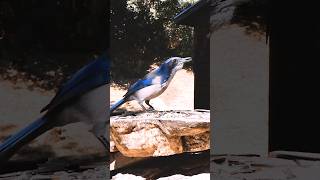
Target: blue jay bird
(153, 84)
(80, 99)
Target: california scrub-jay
(153, 84)
(81, 98)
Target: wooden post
(201, 67)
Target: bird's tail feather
(27, 134)
(117, 104)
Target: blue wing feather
(31, 130)
(142, 83)
(92, 75)
(163, 71)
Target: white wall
(239, 91)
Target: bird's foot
(129, 113)
(151, 109)
(104, 142)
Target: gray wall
(239, 92)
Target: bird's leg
(101, 132)
(141, 104)
(104, 142)
(148, 103)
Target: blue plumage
(92, 75)
(13, 142)
(163, 71)
(117, 104)
(153, 84)
(138, 85)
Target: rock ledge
(160, 133)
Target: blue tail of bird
(117, 104)
(27, 134)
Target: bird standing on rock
(153, 84)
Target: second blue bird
(80, 99)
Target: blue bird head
(176, 63)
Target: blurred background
(42, 43)
(143, 32)
(143, 35)
(45, 41)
